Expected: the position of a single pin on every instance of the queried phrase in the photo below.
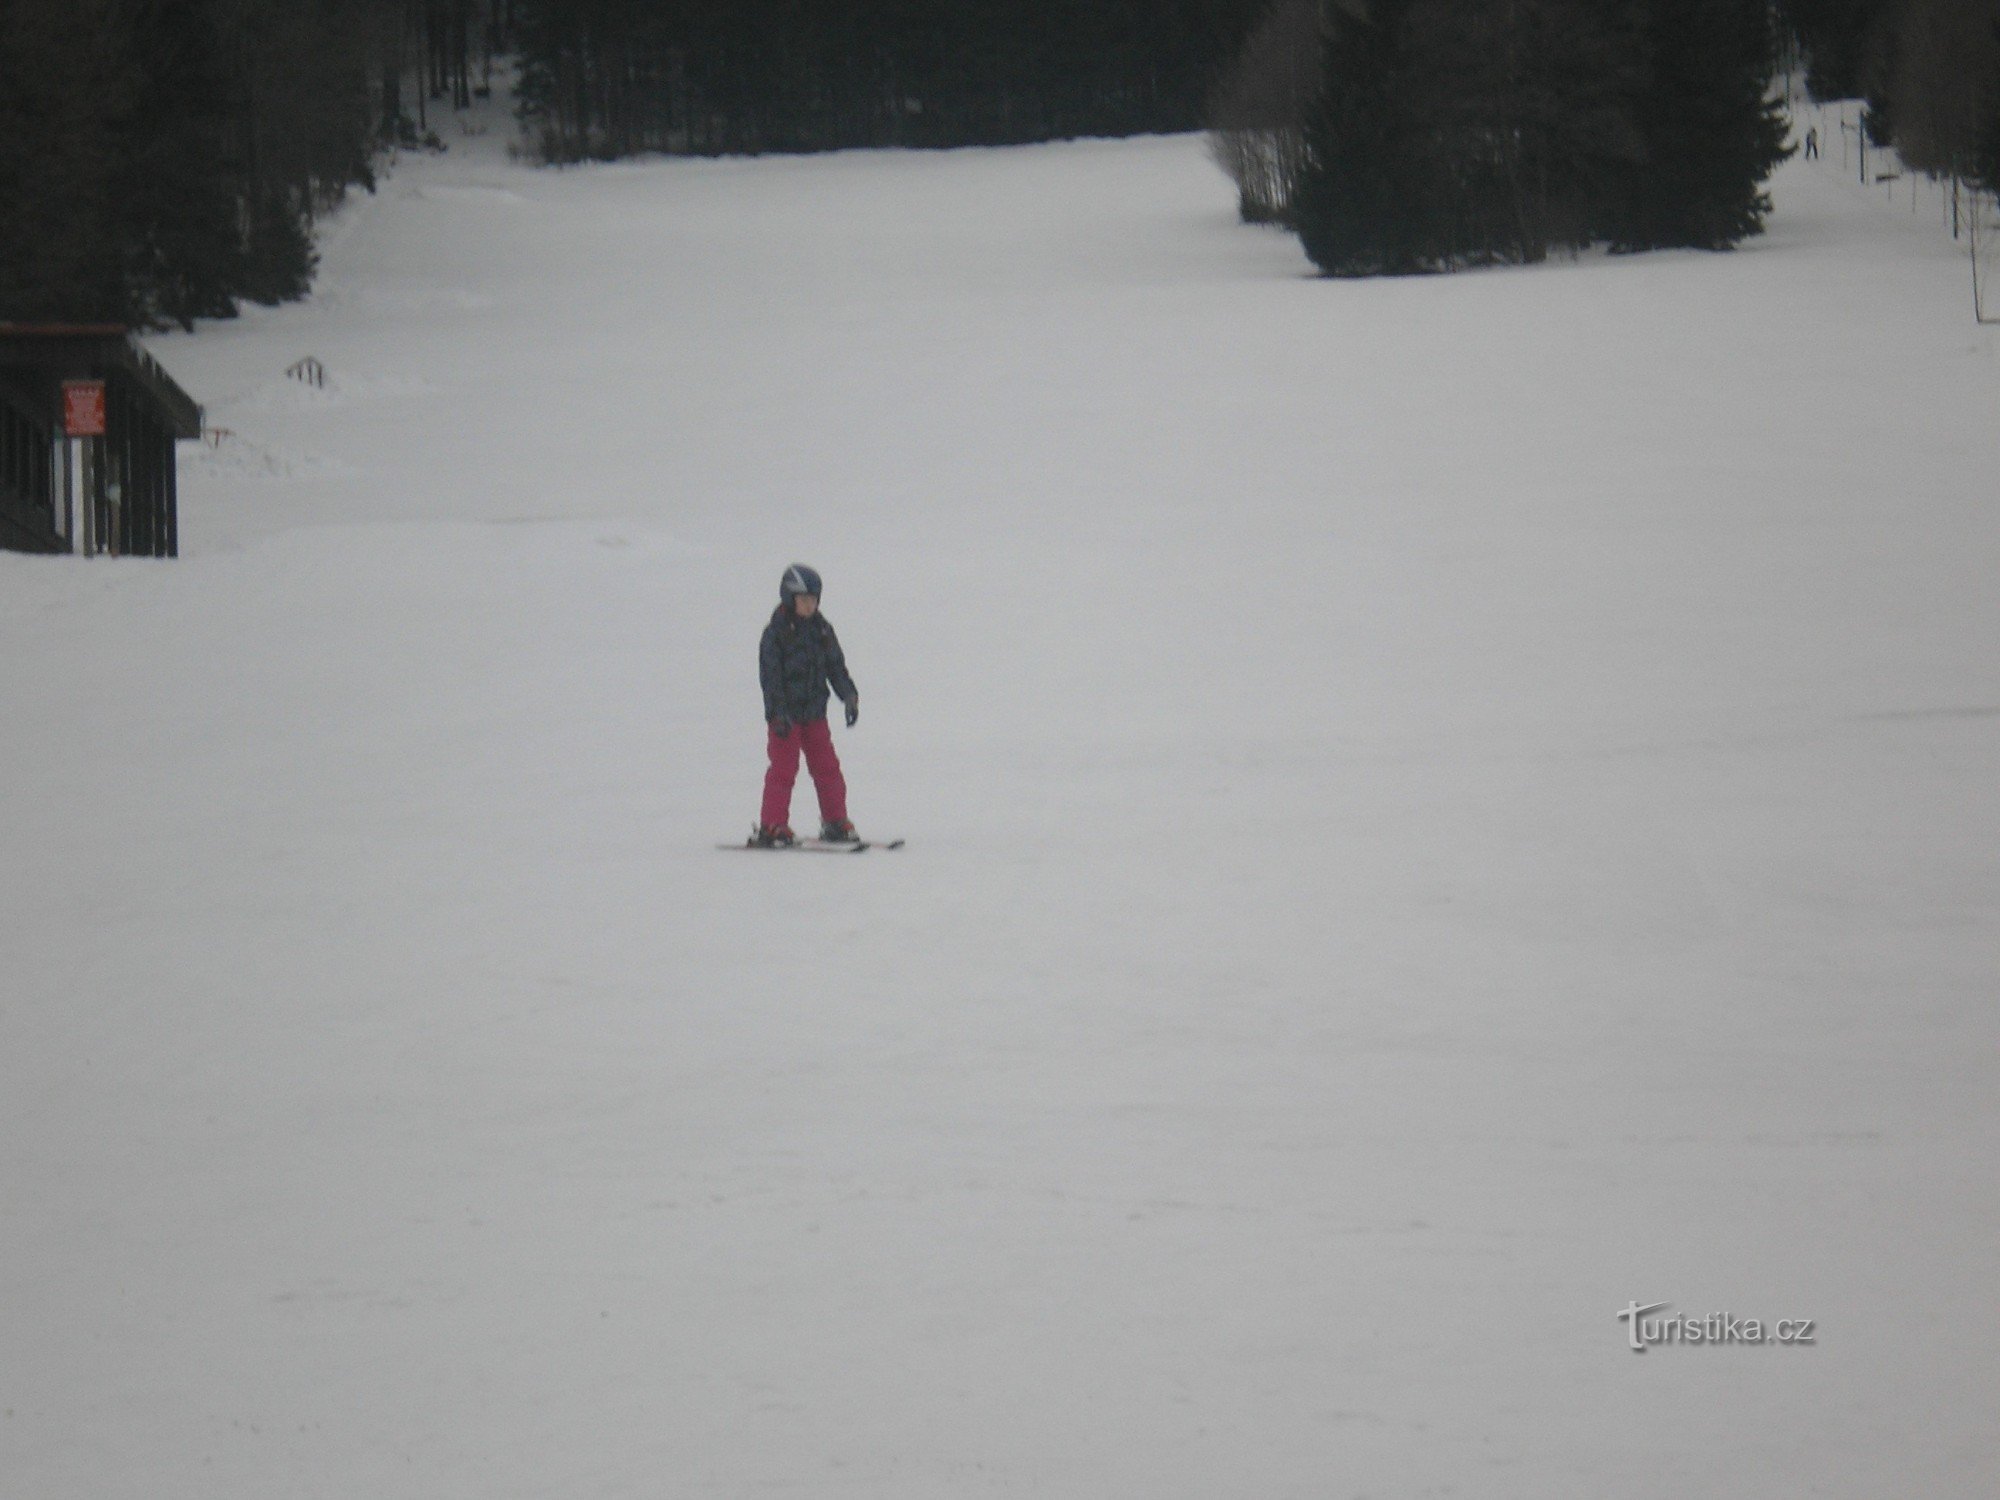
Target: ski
(817, 846)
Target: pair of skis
(817, 846)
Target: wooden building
(88, 422)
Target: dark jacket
(796, 661)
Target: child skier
(797, 660)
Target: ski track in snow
(1438, 809)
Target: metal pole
(69, 490)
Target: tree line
(607, 78)
(1398, 136)
(161, 160)
(1427, 135)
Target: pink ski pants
(816, 740)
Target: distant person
(798, 660)
(1812, 144)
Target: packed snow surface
(1438, 810)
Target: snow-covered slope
(1438, 810)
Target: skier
(797, 660)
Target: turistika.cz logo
(1643, 1333)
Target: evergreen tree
(607, 77)
(1530, 108)
(1837, 37)
(179, 190)
(1711, 131)
(1360, 204)
(1460, 132)
(1944, 82)
(1986, 154)
(62, 124)
(160, 160)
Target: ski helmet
(798, 579)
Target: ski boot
(767, 837)
(841, 832)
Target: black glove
(853, 709)
(782, 728)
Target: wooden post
(69, 491)
(86, 498)
(1972, 237)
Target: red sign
(83, 408)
